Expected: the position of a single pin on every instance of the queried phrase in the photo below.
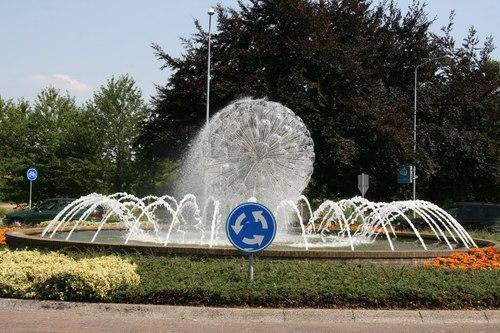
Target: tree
(13, 125)
(346, 68)
(119, 110)
(54, 135)
(459, 123)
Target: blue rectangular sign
(405, 174)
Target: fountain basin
(31, 238)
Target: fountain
(255, 150)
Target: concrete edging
(256, 314)
(29, 238)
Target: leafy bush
(94, 276)
(20, 271)
(485, 234)
(33, 274)
(71, 223)
(311, 283)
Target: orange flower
(475, 258)
(2, 235)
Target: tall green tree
(119, 111)
(54, 135)
(346, 68)
(14, 144)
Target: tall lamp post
(210, 13)
(415, 123)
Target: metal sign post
(31, 191)
(363, 183)
(250, 266)
(251, 228)
(32, 175)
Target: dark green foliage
(346, 68)
(285, 283)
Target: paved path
(49, 316)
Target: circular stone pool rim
(30, 238)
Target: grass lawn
(484, 234)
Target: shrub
(33, 274)
(20, 271)
(95, 276)
(308, 283)
(84, 223)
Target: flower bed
(99, 276)
(487, 258)
(3, 231)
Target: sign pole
(31, 190)
(363, 184)
(250, 266)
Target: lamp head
(211, 11)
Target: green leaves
(278, 283)
(119, 111)
(346, 68)
(77, 149)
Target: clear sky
(76, 45)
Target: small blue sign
(405, 174)
(251, 227)
(32, 174)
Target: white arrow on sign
(260, 218)
(239, 223)
(257, 239)
(363, 183)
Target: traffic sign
(363, 183)
(405, 174)
(32, 174)
(251, 227)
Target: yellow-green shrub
(31, 274)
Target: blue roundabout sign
(251, 227)
(32, 174)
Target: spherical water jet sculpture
(252, 148)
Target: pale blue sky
(77, 45)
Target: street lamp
(415, 122)
(210, 13)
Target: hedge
(292, 283)
(51, 275)
(140, 278)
